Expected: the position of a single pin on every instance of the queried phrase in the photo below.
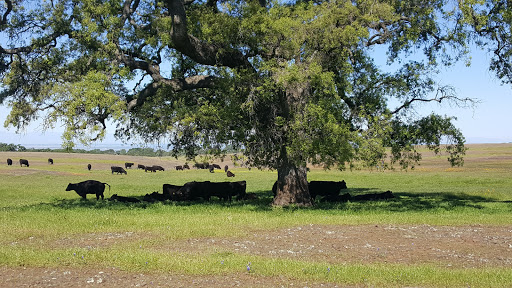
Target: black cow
(172, 192)
(202, 165)
(211, 168)
(230, 174)
(216, 166)
(186, 167)
(140, 166)
(118, 170)
(88, 187)
(89, 167)
(124, 199)
(226, 190)
(24, 162)
(155, 196)
(194, 190)
(128, 165)
(9, 161)
(179, 168)
(326, 188)
(158, 168)
(205, 190)
(226, 168)
(149, 168)
(50, 161)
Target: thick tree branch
(181, 84)
(204, 53)
(3, 21)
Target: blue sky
(488, 122)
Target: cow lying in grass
(124, 199)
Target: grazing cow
(118, 170)
(149, 168)
(9, 161)
(50, 161)
(216, 166)
(326, 188)
(140, 166)
(128, 165)
(186, 167)
(158, 168)
(230, 174)
(202, 165)
(88, 187)
(179, 168)
(124, 199)
(24, 162)
(89, 167)
(211, 168)
(226, 168)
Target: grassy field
(42, 225)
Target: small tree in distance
(286, 83)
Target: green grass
(36, 214)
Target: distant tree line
(149, 152)
(4, 147)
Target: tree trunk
(292, 187)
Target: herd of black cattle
(329, 191)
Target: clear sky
(489, 122)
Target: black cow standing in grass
(140, 166)
(149, 168)
(89, 167)
(158, 168)
(118, 170)
(24, 162)
(9, 161)
(185, 166)
(226, 168)
(128, 165)
(178, 168)
(88, 187)
(50, 161)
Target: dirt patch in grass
(445, 246)
(111, 277)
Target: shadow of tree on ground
(403, 202)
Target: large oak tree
(285, 82)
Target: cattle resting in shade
(326, 188)
(124, 199)
(88, 187)
(205, 190)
